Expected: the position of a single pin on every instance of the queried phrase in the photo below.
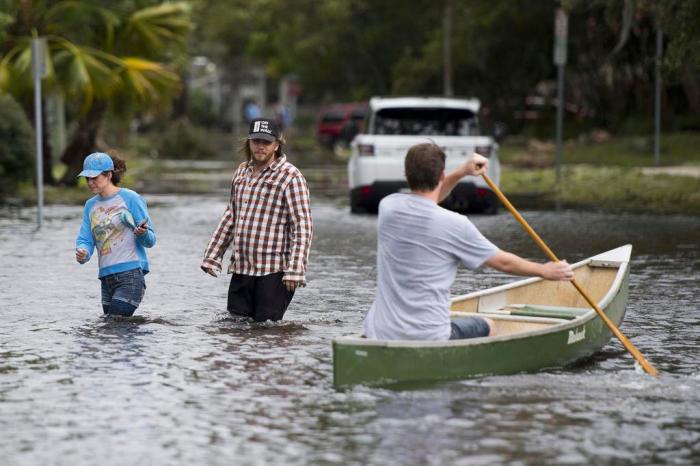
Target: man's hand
(209, 270)
(476, 165)
(558, 271)
(292, 285)
(80, 255)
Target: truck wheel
(491, 209)
(355, 208)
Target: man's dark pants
(262, 298)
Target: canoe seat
(540, 310)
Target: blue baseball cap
(96, 163)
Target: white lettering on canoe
(576, 335)
(361, 353)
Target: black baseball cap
(263, 128)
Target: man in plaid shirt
(268, 222)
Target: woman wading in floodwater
(116, 222)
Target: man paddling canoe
(419, 247)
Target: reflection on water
(183, 382)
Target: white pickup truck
(376, 166)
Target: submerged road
(182, 383)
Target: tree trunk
(82, 143)
(691, 87)
(46, 150)
(180, 103)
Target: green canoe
(540, 324)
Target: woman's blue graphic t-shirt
(118, 248)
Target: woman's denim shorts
(122, 292)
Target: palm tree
(100, 59)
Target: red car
(339, 123)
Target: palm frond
(146, 85)
(153, 80)
(71, 18)
(155, 29)
(85, 72)
(5, 21)
(16, 69)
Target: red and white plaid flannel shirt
(268, 219)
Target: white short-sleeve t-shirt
(419, 247)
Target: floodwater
(183, 383)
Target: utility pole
(561, 24)
(447, 49)
(657, 96)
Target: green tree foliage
(613, 46)
(501, 49)
(339, 48)
(353, 49)
(5, 21)
(104, 57)
(612, 81)
(679, 21)
(16, 148)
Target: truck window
(426, 122)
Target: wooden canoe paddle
(648, 368)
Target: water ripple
(183, 382)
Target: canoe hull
(363, 361)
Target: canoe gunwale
(601, 260)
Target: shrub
(201, 111)
(16, 147)
(183, 140)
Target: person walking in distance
(268, 225)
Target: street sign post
(561, 26)
(39, 65)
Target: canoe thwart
(540, 310)
(605, 264)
